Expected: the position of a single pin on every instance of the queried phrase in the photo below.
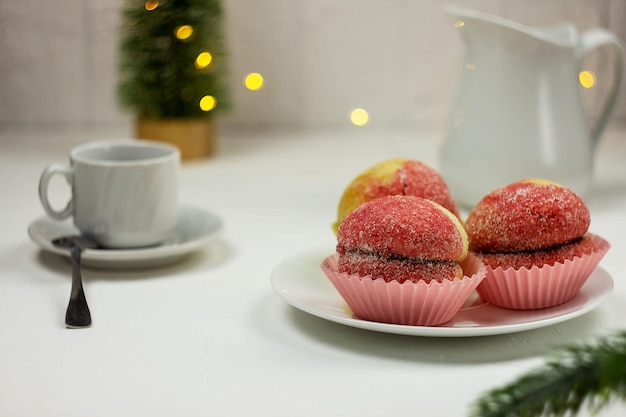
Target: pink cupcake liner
(541, 287)
(416, 304)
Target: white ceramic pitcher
(518, 112)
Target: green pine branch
(589, 376)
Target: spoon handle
(77, 314)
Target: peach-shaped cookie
(527, 215)
(396, 176)
(405, 226)
(403, 260)
(532, 236)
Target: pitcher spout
(480, 28)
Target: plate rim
(131, 255)
(428, 331)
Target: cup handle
(590, 40)
(46, 176)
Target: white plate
(195, 229)
(301, 282)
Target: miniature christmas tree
(582, 376)
(172, 59)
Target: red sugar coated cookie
(396, 176)
(526, 215)
(406, 226)
(398, 269)
(528, 259)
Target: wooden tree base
(195, 138)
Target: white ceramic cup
(124, 192)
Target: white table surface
(208, 336)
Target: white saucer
(301, 282)
(195, 229)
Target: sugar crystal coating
(402, 238)
(406, 226)
(527, 215)
(396, 176)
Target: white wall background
(399, 59)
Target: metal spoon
(77, 315)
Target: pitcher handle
(590, 40)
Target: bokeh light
(208, 103)
(459, 24)
(203, 60)
(587, 79)
(253, 81)
(151, 5)
(183, 32)
(359, 117)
